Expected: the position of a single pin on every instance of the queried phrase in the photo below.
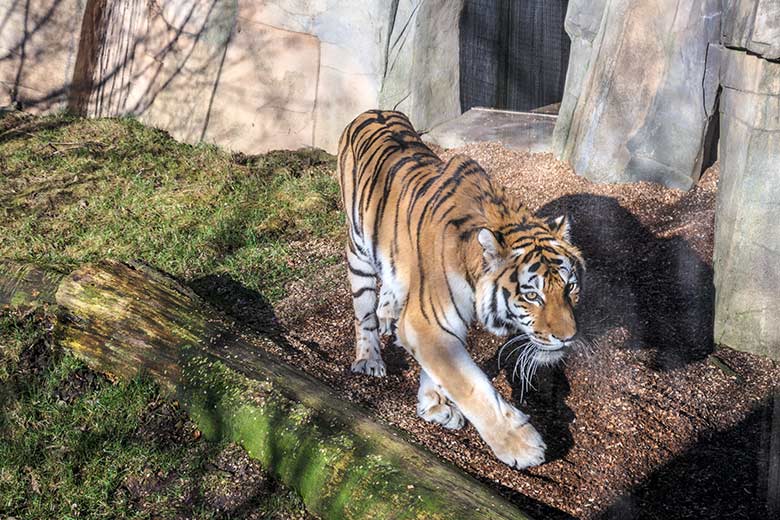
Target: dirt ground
(652, 421)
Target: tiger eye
(531, 296)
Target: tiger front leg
(362, 278)
(502, 426)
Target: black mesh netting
(513, 53)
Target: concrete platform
(524, 131)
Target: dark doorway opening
(513, 54)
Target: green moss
(20, 298)
(338, 473)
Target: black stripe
(358, 272)
(361, 291)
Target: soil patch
(77, 383)
(652, 420)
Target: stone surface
(252, 76)
(39, 43)
(435, 81)
(200, 71)
(249, 75)
(422, 71)
(753, 25)
(636, 104)
(522, 131)
(747, 235)
(346, 88)
(352, 38)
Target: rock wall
(747, 235)
(246, 74)
(39, 42)
(640, 89)
(644, 82)
(251, 76)
(421, 75)
(752, 25)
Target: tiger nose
(563, 340)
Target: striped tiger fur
(449, 246)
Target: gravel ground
(651, 421)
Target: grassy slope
(74, 191)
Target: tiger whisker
(527, 376)
(533, 373)
(529, 372)
(522, 386)
(524, 360)
(515, 350)
(517, 362)
(515, 340)
(526, 363)
(521, 359)
(508, 343)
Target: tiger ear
(560, 226)
(491, 249)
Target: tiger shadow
(659, 290)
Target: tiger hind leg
(362, 279)
(433, 405)
(388, 310)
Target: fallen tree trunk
(125, 319)
(25, 286)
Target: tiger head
(530, 284)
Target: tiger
(433, 246)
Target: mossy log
(125, 319)
(25, 286)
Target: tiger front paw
(518, 446)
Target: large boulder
(422, 72)
(747, 235)
(640, 89)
